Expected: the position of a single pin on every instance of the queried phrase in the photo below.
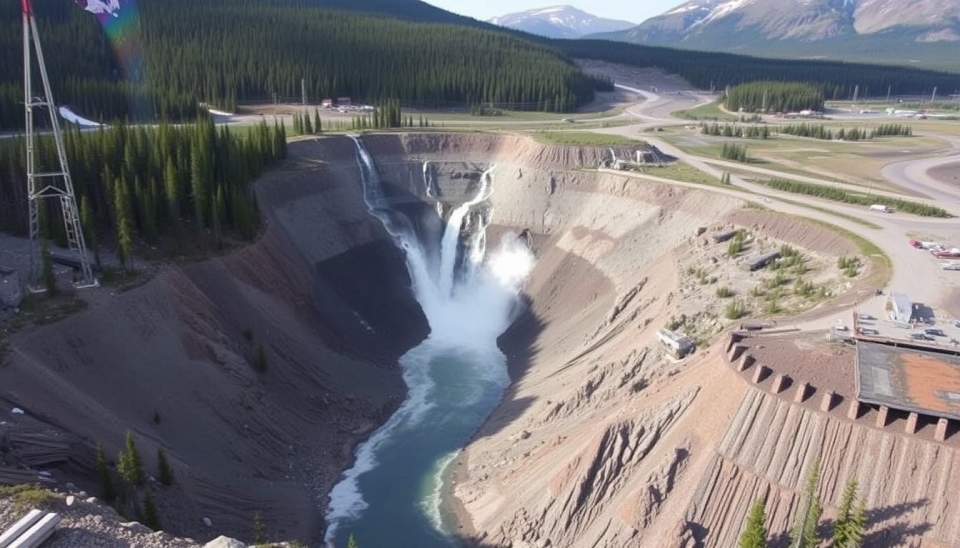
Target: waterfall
(455, 376)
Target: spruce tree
(150, 516)
(259, 536)
(129, 465)
(755, 532)
(804, 533)
(352, 542)
(164, 471)
(841, 527)
(107, 490)
(123, 223)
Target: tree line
(767, 96)
(734, 130)
(225, 52)
(142, 183)
(840, 195)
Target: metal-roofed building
(909, 379)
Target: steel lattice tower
(53, 184)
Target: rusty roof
(907, 378)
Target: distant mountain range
(895, 30)
(560, 22)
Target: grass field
(582, 138)
(679, 171)
(710, 111)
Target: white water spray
(466, 314)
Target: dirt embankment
(322, 292)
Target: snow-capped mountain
(877, 27)
(560, 22)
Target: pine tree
(857, 527)
(165, 472)
(841, 525)
(129, 465)
(755, 533)
(107, 490)
(123, 223)
(804, 534)
(150, 516)
(259, 535)
(352, 542)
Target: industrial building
(899, 308)
(909, 379)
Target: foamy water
(455, 377)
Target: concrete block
(854, 412)
(20, 527)
(38, 533)
(827, 403)
(883, 416)
(745, 362)
(941, 433)
(731, 343)
(760, 374)
(912, 420)
(802, 390)
(780, 383)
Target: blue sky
(628, 10)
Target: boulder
(224, 542)
(207, 522)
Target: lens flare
(120, 21)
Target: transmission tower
(53, 184)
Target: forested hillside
(766, 96)
(717, 70)
(226, 51)
(143, 183)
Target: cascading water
(392, 497)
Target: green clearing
(680, 171)
(582, 138)
(709, 111)
(882, 267)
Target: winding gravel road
(914, 272)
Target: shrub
(735, 310)
(27, 496)
(724, 292)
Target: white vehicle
(881, 207)
(953, 265)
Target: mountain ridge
(869, 30)
(561, 21)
